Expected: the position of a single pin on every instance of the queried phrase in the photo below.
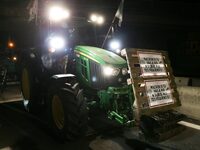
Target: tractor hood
(101, 56)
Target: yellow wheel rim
(25, 84)
(58, 112)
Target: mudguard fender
(65, 81)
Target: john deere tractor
(69, 81)
(95, 78)
(99, 78)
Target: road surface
(21, 131)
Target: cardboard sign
(158, 93)
(151, 64)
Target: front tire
(67, 113)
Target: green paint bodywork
(106, 95)
(116, 101)
(119, 102)
(97, 55)
(116, 116)
(80, 62)
(101, 56)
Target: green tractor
(103, 76)
(70, 82)
(69, 85)
(99, 80)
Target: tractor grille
(97, 81)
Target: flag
(119, 13)
(33, 10)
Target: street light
(11, 44)
(57, 13)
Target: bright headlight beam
(57, 14)
(56, 43)
(93, 18)
(118, 51)
(100, 20)
(115, 45)
(108, 71)
(97, 19)
(124, 71)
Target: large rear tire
(67, 113)
(28, 89)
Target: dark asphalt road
(21, 131)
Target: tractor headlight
(124, 71)
(110, 71)
(57, 13)
(115, 45)
(56, 43)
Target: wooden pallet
(143, 77)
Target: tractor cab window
(84, 68)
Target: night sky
(168, 25)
